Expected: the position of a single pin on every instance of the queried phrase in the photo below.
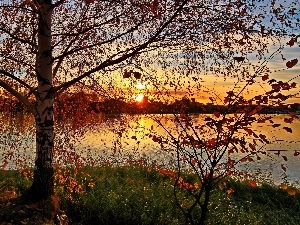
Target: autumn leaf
(293, 85)
(292, 191)
(217, 114)
(212, 142)
(126, 74)
(252, 183)
(265, 77)
(239, 58)
(283, 168)
(155, 139)
(288, 129)
(292, 63)
(275, 125)
(137, 75)
(244, 159)
(276, 87)
(291, 42)
(230, 191)
(283, 186)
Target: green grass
(133, 195)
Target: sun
(139, 97)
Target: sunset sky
(156, 81)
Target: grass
(134, 195)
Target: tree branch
(17, 79)
(59, 89)
(24, 41)
(97, 44)
(19, 96)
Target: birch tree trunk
(43, 184)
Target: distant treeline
(82, 103)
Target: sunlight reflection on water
(126, 137)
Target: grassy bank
(135, 195)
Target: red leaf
(244, 159)
(252, 183)
(217, 114)
(288, 129)
(137, 75)
(291, 42)
(283, 168)
(212, 142)
(293, 85)
(265, 77)
(155, 139)
(276, 87)
(291, 63)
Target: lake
(127, 138)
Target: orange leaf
(291, 191)
(291, 63)
(252, 183)
(230, 191)
(283, 186)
